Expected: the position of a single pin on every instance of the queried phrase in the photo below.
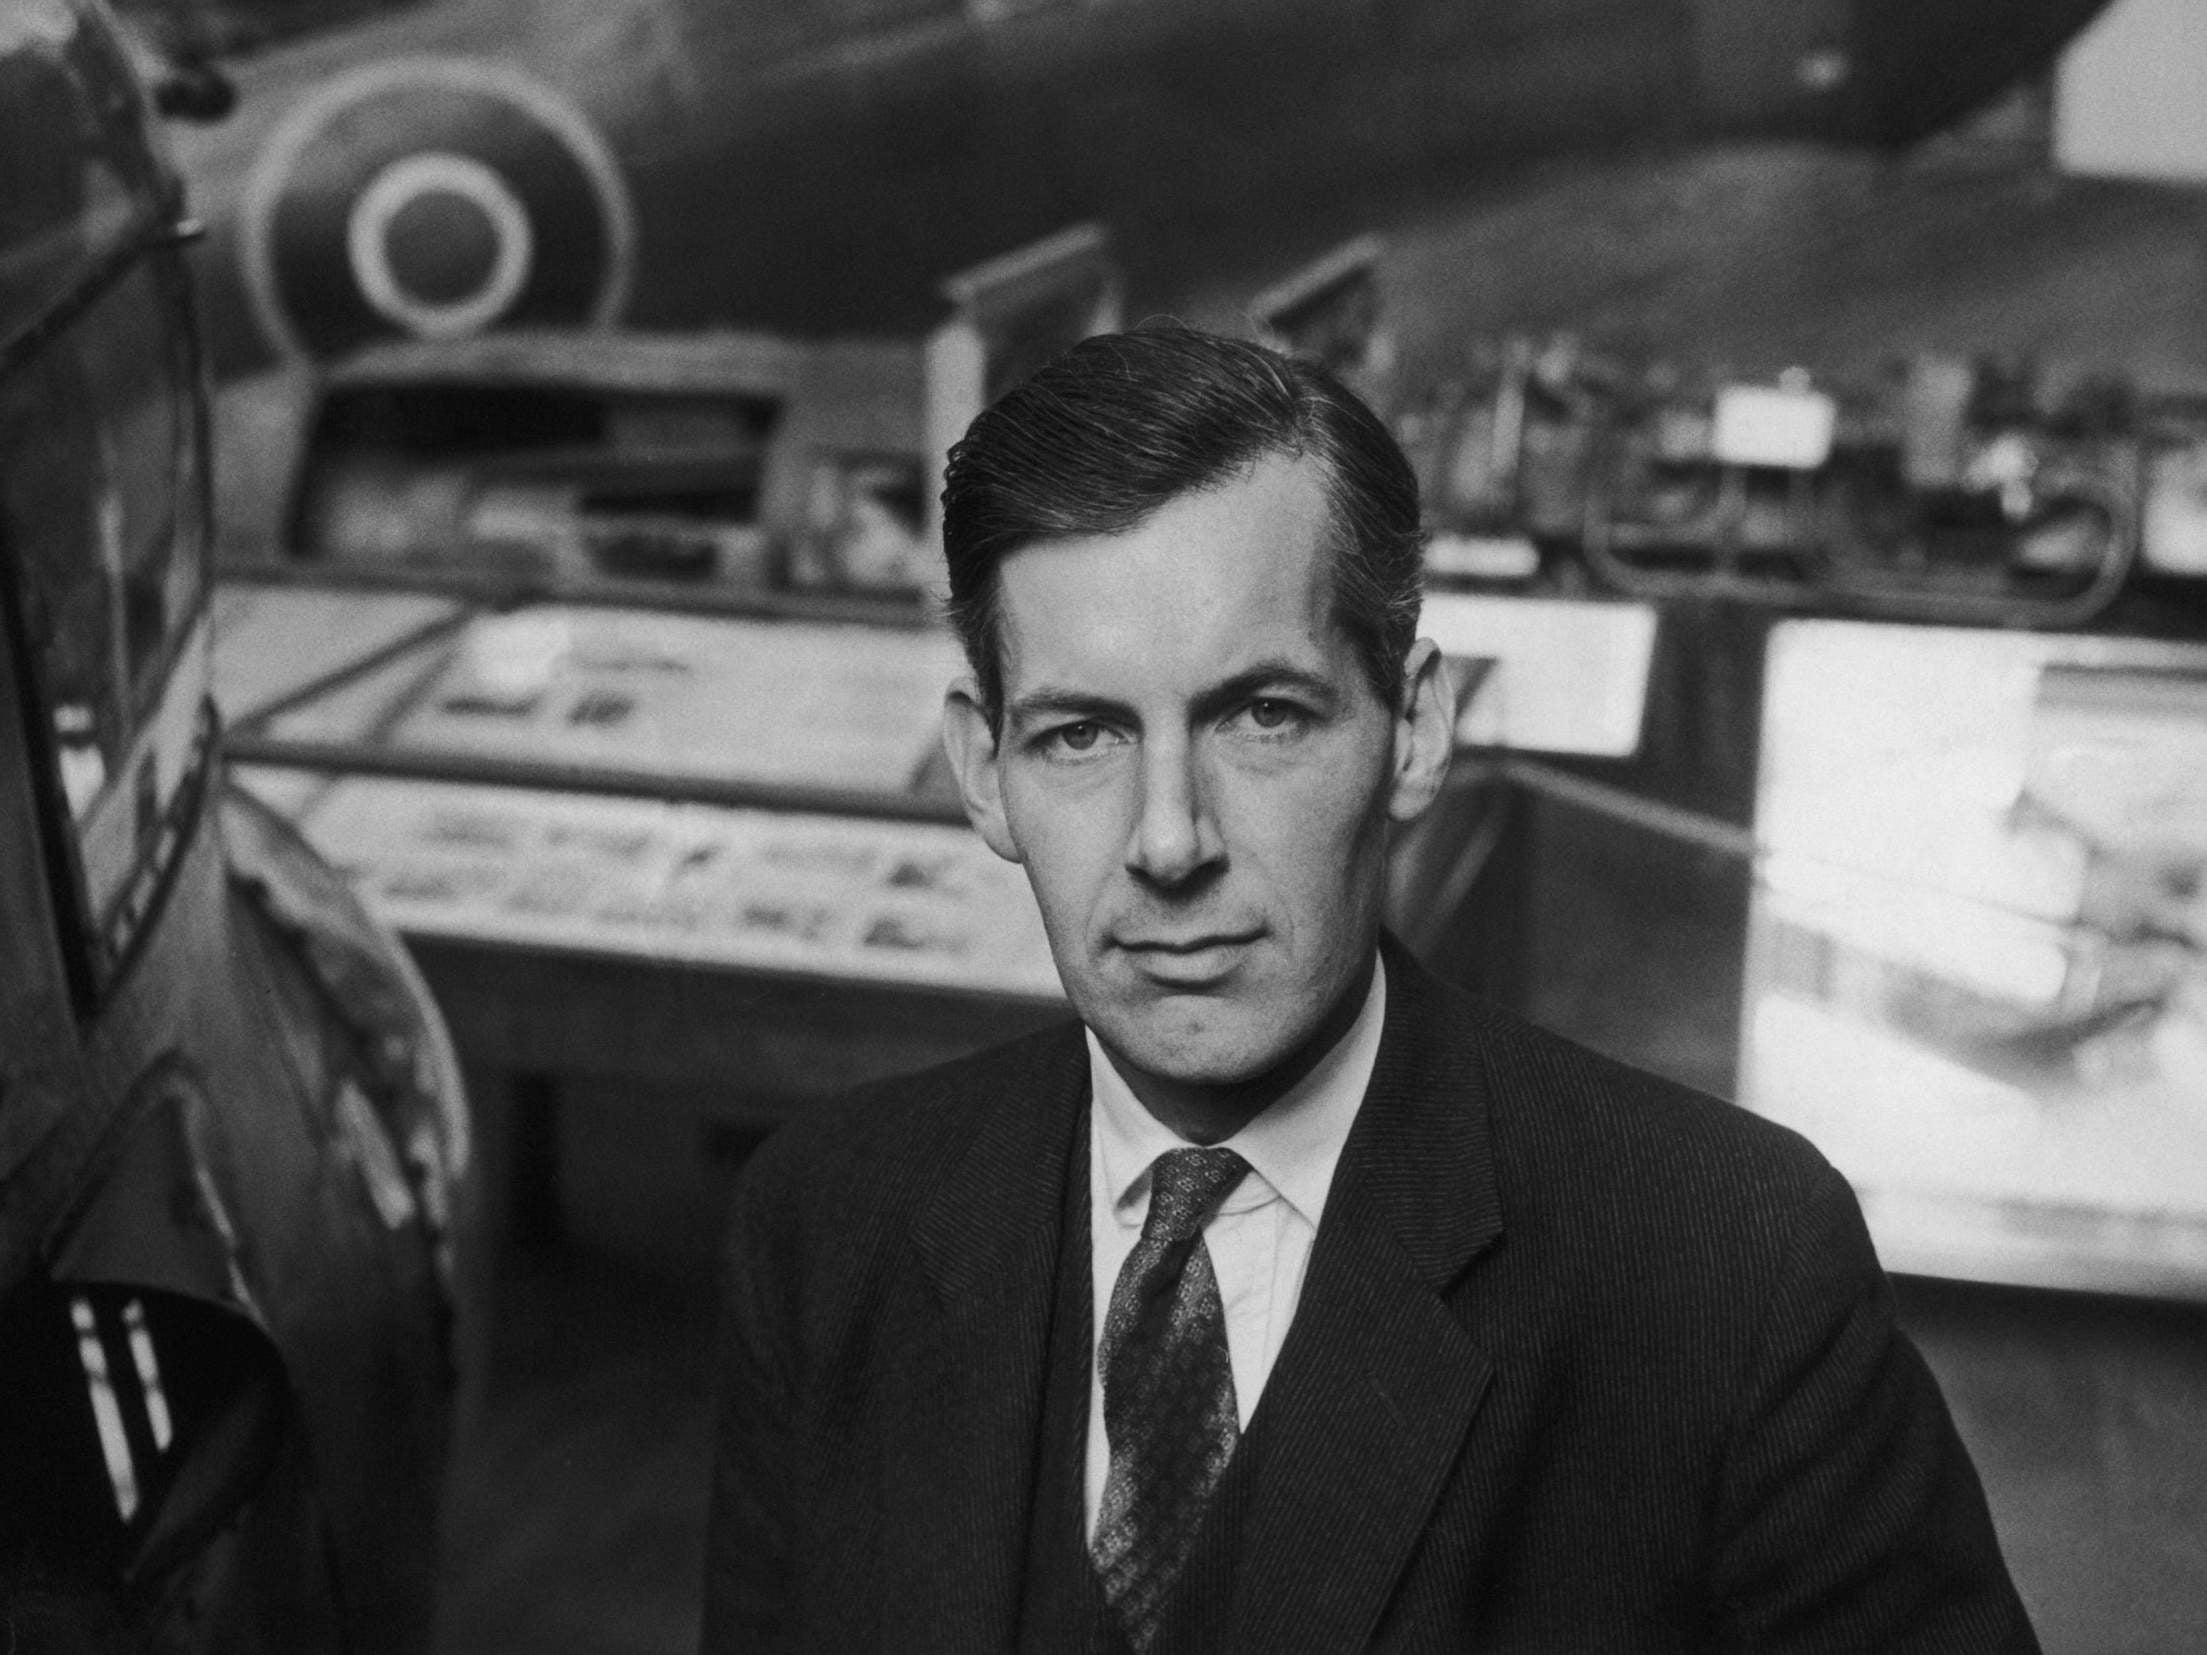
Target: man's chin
(1195, 1049)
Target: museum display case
(739, 791)
(1977, 945)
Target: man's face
(1197, 774)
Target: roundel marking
(408, 241)
(431, 198)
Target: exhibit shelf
(723, 791)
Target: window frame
(99, 941)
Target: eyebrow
(1275, 675)
(1050, 703)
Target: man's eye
(1077, 738)
(1271, 717)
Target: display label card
(1774, 425)
(1568, 675)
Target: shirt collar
(1292, 1146)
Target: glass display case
(1977, 945)
(727, 790)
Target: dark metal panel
(40, 1078)
(1782, 63)
(1924, 66)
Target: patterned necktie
(1169, 1413)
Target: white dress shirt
(1260, 1238)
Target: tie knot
(1185, 1188)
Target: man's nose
(1175, 835)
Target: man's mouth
(1191, 959)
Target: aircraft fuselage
(760, 163)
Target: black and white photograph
(1103, 827)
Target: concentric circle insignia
(433, 198)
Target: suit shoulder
(866, 1146)
(1598, 1093)
(823, 1211)
(1578, 1133)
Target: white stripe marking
(149, 1374)
(114, 1444)
(411, 179)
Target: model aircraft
(434, 168)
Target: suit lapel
(1375, 1389)
(959, 1479)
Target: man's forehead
(1213, 575)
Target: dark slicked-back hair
(1111, 430)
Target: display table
(707, 851)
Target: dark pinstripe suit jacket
(1583, 1362)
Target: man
(1294, 1301)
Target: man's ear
(1425, 731)
(972, 751)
